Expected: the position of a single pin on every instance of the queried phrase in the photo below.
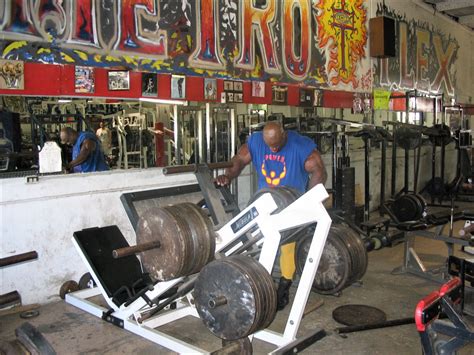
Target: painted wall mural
(425, 57)
(313, 42)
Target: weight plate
(207, 236)
(334, 267)
(68, 287)
(358, 314)
(193, 247)
(86, 281)
(358, 263)
(363, 258)
(406, 208)
(248, 291)
(33, 340)
(170, 260)
(29, 314)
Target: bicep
(88, 146)
(314, 162)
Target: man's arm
(239, 161)
(87, 147)
(314, 165)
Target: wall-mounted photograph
(279, 94)
(238, 86)
(84, 81)
(11, 74)
(149, 84)
(318, 97)
(238, 97)
(119, 80)
(210, 89)
(230, 97)
(258, 88)
(306, 97)
(228, 85)
(178, 86)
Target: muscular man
(87, 154)
(281, 158)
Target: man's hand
(239, 161)
(222, 180)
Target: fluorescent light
(64, 101)
(161, 101)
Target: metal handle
(15, 259)
(127, 251)
(168, 170)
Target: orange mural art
(342, 32)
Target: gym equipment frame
(131, 314)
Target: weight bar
(127, 251)
(169, 170)
(15, 259)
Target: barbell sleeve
(127, 251)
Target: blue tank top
(285, 168)
(95, 161)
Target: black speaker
(382, 37)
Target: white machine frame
(307, 209)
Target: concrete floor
(72, 331)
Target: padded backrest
(97, 245)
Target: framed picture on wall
(84, 81)
(279, 94)
(238, 86)
(119, 80)
(210, 89)
(258, 88)
(230, 97)
(238, 97)
(306, 97)
(178, 86)
(228, 85)
(149, 84)
(318, 97)
(12, 74)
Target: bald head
(68, 136)
(274, 136)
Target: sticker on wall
(84, 81)
(12, 74)
(149, 84)
(210, 89)
(178, 86)
(279, 94)
(306, 97)
(119, 80)
(258, 88)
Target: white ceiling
(461, 10)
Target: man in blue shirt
(87, 154)
(281, 158)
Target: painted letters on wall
(425, 58)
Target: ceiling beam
(467, 20)
(448, 5)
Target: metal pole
(177, 143)
(208, 132)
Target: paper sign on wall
(381, 99)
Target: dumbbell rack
(307, 209)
